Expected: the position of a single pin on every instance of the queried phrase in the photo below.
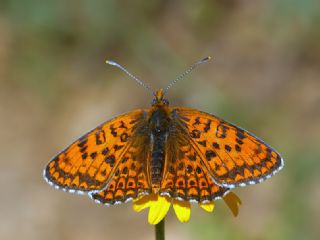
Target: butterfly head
(158, 99)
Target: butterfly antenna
(131, 75)
(189, 70)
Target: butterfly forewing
(89, 163)
(232, 156)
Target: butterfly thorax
(159, 122)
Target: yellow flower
(159, 206)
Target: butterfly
(180, 152)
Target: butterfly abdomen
(157, 160)
(159, 125)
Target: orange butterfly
(184, 153)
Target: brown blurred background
(54, 86)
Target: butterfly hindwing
(130, 179)
(233, 156)
(91, 161)
(185, 177)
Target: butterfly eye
(165, 101)
(154, 102)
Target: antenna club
(206, 59)
(111, 63)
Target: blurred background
(54, 86)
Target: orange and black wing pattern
(131, 178)
(232, 156)
(185, 178)
(98, 157)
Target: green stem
(159, 228)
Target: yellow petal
(233, 202)
(209, 207)
(158, 209)
(143, 202)
(182, 210)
